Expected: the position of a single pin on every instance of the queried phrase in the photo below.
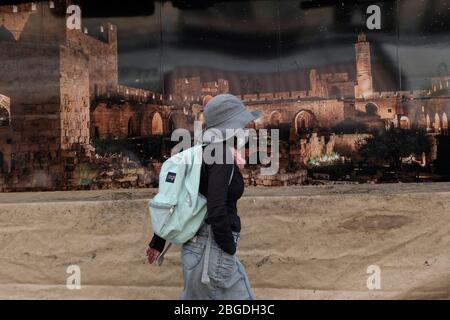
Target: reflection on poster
(359, 92)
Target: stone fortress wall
(50, 74)
(59, 90)
(333, 97)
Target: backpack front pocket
(161, 214)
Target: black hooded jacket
(221, 202)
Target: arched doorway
(275, 119)
(371, 109)
(444, 123)
(304, 120)
(405, 123)
(428, 121)
(437, 123)
(157, 124)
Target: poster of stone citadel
(92, 106)
(91, 92)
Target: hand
(152, 255)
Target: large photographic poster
(91, 92)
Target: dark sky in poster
(272, 45)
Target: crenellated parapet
(26, 23)
(131, 94)
(267, 97)
(400, 94)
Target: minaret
(313, 82)
(364, 83)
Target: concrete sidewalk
(297, 243)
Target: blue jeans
(227, 279)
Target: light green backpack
(178, 210)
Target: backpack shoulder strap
(231, 177)
(160, 259)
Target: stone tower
(364, 82)
(49, 75)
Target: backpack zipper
(189, 199)
(164, 206)
(161, 206)
(171, 210)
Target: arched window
(371, 109)
(445, 122)
(157, 124)
(437, 123)
(304, 120)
